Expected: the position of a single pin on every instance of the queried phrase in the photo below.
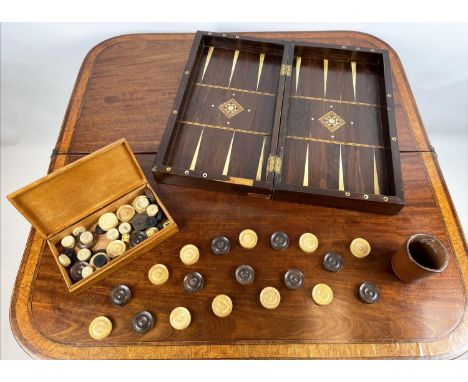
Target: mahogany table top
(125, 89)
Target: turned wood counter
(125, 89)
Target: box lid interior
(73, 192)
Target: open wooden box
(79, 193)
(296, 121)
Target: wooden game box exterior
(293, 121)
(78, 194)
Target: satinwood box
(79, 193)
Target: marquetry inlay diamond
(230, 108)
(332, 121)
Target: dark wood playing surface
(126, 88)
(350, 86)
(218, 80)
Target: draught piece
(140, 203)
(279, 240)
(189, 254)
(245, 274)
(322, 294)
(78, 230)
(99, 260)
(143, 322)
(294, 279)
(68, 242)
(220, 245)
(193, 282)
(84, 254)
(332, 262)
(108, 220)
(116, 248)
(64, 260)
(125, 228)
(100, 328)
(270, 298)
(180, 318)
(248, 238)
(125, 213)
(76, 270)
(113, 234)
(308, 242)
(360, 247)
(158, 274)
(138, 222)
(120, 295)
(86, 240)
(222, 305)
(136, 237)
(87, 271)
(369, 292)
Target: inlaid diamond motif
(332, 121)
(230, 108)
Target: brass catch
(285, 70)
(274, 164)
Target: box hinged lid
(73, 192)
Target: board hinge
(285, 70)
(274, 164)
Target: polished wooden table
(125, 88)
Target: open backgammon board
(295, 121)
(126, 88)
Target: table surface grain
(125, 88)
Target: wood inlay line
(305, 181)
(338, 101)
(298, 70)
(340, 174)
(236, 180)
(234, 62)
(260, 67)
(207, 61)
(325, 76)
(223, 128)
(228, 156)
(234, 89)
(353, 74)
(195, 154)
(260, 161)
(333, 142)
(376, 177)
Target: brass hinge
(54, 153)
(285, 70)
(274, 164)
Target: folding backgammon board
(295, 121)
